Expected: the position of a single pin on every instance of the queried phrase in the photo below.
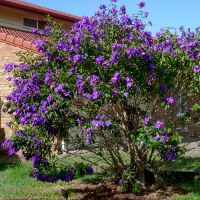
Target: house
(17, 19)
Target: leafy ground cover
(16, 184)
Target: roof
(21, 39)
(39, 9)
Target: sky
(162, 13)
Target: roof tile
(18, 38)
(40, 9)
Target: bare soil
(107, 190)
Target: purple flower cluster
(95, 95)
(99, 122)
(159, 124)
(80, 84)
(171, 100)
(129, 82)
(8, 145)
(197, 69)
(116, 78)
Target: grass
(16, 184)
(183, 165)
(192, 189)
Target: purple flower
(92, 79)
(88, 138)
(79, 120)
(141, 4)
(197, 69)
(50, 98)
(141, 142)
(163, 88)
(100, 116)
(116, 78)
(138, 89)
(78, 58)
(74, 70)
(159, 124)
(146, 120)
(116, 91)
(150, 23)
(56, 105)
(121, 182)
(100, 123)
(106, 64)
(94, 123)
(102, 7)
(171, 100)
(125, 94)
(35, 31)
(164, 138)
(72, 168)
(129, 82)
(8, 124)
(69, 176)
(108, 122)
(9, 78)
(9, 67)
(123, 9)
(63, 191)
(80, 84)
(59, 88)
(157, 137)
(151, 66)
(90, 170)
(99, 60)
(146, 14)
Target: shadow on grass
(183, 165)
(6, 162)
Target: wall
(7, 55)
(13, 18)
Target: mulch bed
(107, 190)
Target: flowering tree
(110, 78)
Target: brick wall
(7, 55)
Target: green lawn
(184, 165)
(16, 184)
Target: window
(32, 23)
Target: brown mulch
(107, 190)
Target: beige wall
(7, 55)
(13, 18)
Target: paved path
(193, 147)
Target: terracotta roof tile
(18, 38)
(28, 36)
(40, 9)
